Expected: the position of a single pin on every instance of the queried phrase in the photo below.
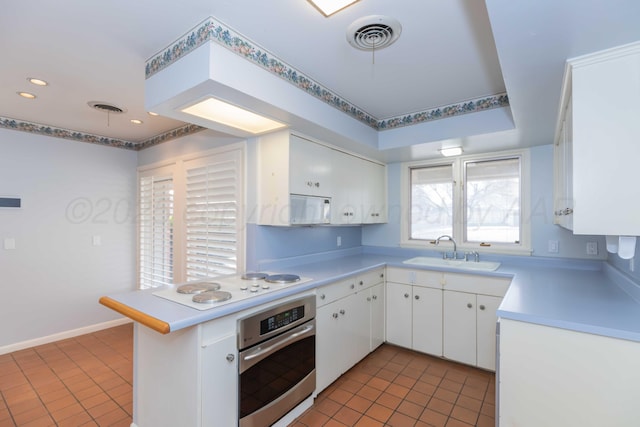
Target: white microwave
(307, 210)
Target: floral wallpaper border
(214, 31)
(46, 130)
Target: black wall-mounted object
(10, 202)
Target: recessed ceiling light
(27, 95)
(37, 82)
(151, 113)
(230, 115)
(136, 121)
(329, 7)
(451, 151)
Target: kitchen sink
(453, 263)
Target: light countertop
(584, 297)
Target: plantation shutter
(155, 228)
(213, 190)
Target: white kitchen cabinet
(414, 311)
(350, 324)
(220, 366)
(289, 164)
(292, 164)
(557, 377)
(563, 172)
(470, 328)
(600, 95)
(347, 202)
(460, 327)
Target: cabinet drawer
(476, 284)
(370, 278)
(335, 291)
(424, 278)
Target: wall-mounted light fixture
(329, 7)
(230, 115)
(451, 151)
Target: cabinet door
(459, 339)
(374, 192)
(346, 203)
(355, 317)
(377, 315)
(563, 173)
(309, 168)
(486, 330)
(399, 303)
(220, 366)
(427, 320)
(329, 342)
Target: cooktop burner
(282, 278)
(197, 288)
(211, 297)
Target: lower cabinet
(414, 317)
(350, 324)
(445, 314)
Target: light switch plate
(553, 247)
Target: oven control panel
(281, 319)
(275, 320)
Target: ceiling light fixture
(37, 82)
(451, 151)
(136, 121)
(230, 115)
(151, 113)
(26, 95)
(329, 7)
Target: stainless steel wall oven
(277, 361)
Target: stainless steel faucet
(455, 246)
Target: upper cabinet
(289, 164)
(598, 144)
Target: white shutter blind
(212, 215)
(155, 230)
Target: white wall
(71, 192)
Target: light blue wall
(542, 227)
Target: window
(155, 230)
(478, 200)
(190, 218)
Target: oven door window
(276, 375)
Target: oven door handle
(281, 342)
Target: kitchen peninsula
(575, 298)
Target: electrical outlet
(592, 248)
(339, 241)
(632, 265)
(553, 247)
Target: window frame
(459, 203)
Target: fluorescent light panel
(451, 151)
(329, 7)
(222, 112)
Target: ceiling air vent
(106, 107)
(373, 32)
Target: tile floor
(86, 381)
(81, 381)
(395, 387)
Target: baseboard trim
(63, 335)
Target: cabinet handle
(309, 184)
(406, 295)
(382, 275)
(369, 299)
(352, 286)
(361, 283)
(345, 214)
(230, 357)
(469, 305)
(482, 307)
(317, 185)
(417, 297)
(375, 297)
(335, 315)
(323, 296)
(342, 312)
